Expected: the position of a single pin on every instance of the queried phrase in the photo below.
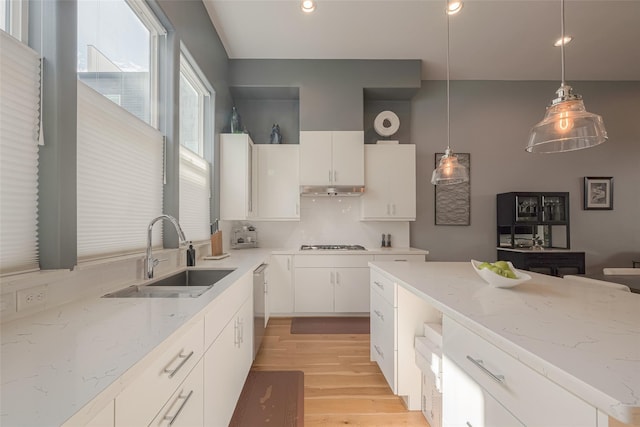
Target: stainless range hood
(333, 190)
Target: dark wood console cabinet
(545, 262)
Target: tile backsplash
(325, 220)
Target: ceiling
(490, 40)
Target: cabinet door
(402, 182)
(226, 365)
(351, 290)
(236, 177)
(105, 418)
(466, 404)
(315, 158)
(280, 284)
(313, 290)
(348, 158)
(390, 180)
(185, 407)
(278, 189)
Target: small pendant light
(449, 170)
(567, 126)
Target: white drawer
(186, 406)
(332, 260)
(384, 286)
(532, 398)
(383, 342)
(400, 257)
(138, 404)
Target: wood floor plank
(341, 385)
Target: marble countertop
(368, 251)
(58, 362)
(585, 339)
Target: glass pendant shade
(567, 126)
(449, 171)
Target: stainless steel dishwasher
(260, 306)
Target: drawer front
(138, 404)
(346, 260)
(400, 257)
(384, 286)
(186, 406)
(513, 384)
(383, 343)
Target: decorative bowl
(497, 280)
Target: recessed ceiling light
(308, 6)
(567, 39)
(454, 6)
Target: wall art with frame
(598, 193)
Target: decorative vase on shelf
(235, 121)
(276, 136)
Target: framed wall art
(598, 193)
(453, 202)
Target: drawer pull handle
(172, 419)
(379, 351)
(497, 378)
(378, 285)
(400, 260)
(184, 360)
(469, 424)
(380, 315)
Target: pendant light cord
(562, 39)
(448, 108)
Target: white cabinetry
(229, 339)
(332, 158)
(139, 403)
(397, 316)
(277, 179)
(185, 408)
(105, 418)
(390, 180)
(474, 368)
(400, 257)
(331, 283)
(237, 177)
(280, 282)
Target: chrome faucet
(150, 262)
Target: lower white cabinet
(140, 402)
(185, 407)
(226, 365)
(397, 316)
(105, 418)
(469, 405)
(400, 257)
(280, 279)
(475, 368)
(331, 283)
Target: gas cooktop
(332, 248)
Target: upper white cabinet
(237, 179)
(332, 158)
(390, 180)
(277, 178)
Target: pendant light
(567, 126)
(449, 170)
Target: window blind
(19, 121)
(120, 178)
(195, 195)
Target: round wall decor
(386, 123)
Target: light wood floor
(341, 386)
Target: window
(118, 53)
(19, 119)
(14, 18)
(195, 177)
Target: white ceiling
(490, 40)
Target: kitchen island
(584, 341)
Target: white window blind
(120, 177)
(19, 120)
(194, 195)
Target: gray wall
(331, 91)
(491, 120)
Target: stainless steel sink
(186, 284)
(159, 292)
(193, 278)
